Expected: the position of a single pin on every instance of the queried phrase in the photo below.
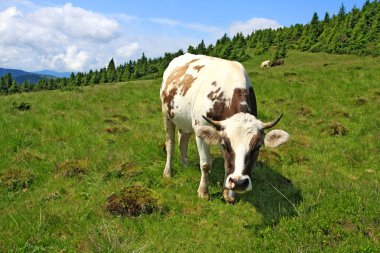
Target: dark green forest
(348, 32)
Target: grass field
(62, 159)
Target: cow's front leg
(205, 166)
(169, 144)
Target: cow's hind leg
(183, 145)
(205, 166)
(169, 144)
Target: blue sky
(79, 35)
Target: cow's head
(241, 137)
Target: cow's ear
(276, 138)
(209, 135)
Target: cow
(277, 62)
(265, 64)
(214, 98)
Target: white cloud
(127, 50)
(253, 24)
(64, 38)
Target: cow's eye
(223, 146)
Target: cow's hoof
(229, 196)
(203, 194)
(167, 174)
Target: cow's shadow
(273, 195)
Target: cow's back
(196, 85)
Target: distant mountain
(20, 75)
(53, 73)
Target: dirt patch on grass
(110, 121)
(305, 111)
(116, 129)
(122, 118)
(337, 129)
(279, 101)
(133, 201)
(73, 169)
(29, 155)
(360, 101)
(340, 113)
(16, 180)
(127, 170)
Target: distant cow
(278, 62)
(265, 64)
(214, 98)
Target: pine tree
(111, 72)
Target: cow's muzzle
(239, 185)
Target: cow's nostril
(231, 180)
(244, 183)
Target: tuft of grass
(133, 201)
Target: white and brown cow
(214, 98)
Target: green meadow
(64, 153)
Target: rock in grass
(133, 201)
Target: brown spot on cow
(168, 98)
(198, 68)
(177, 79)
(213, 83)
(229, 156)
(220, 110)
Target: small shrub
(22, 106)
(133, 201)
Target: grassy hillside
(63, 157)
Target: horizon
(80, 35)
